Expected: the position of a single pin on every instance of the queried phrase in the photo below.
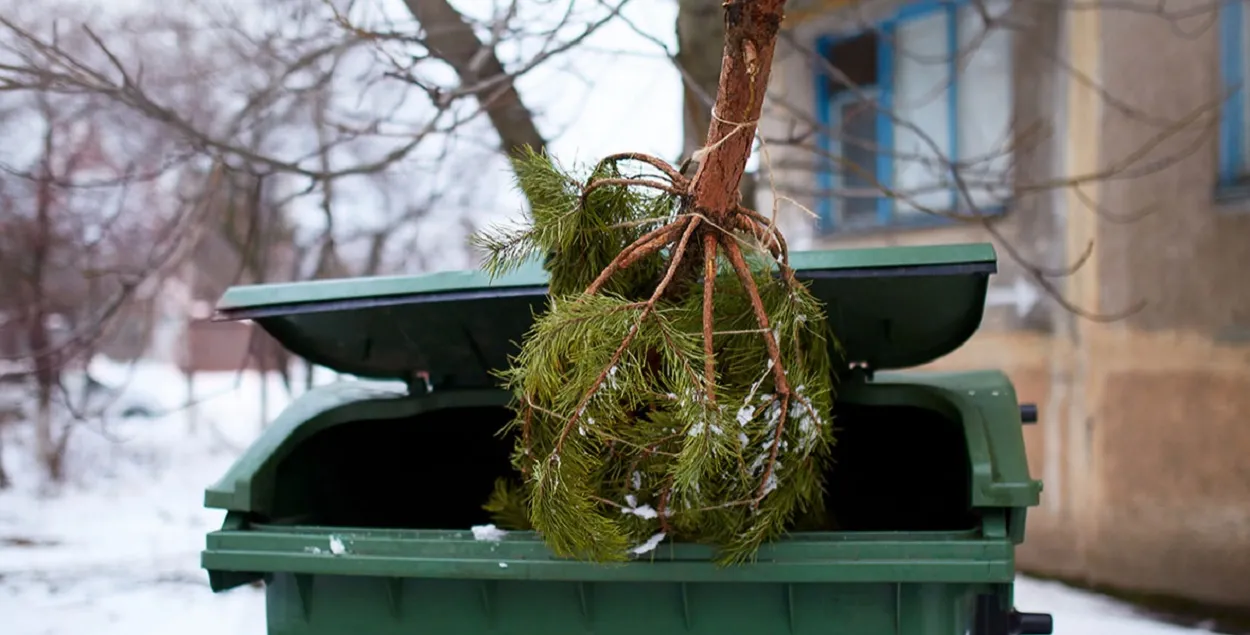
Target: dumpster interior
(896, 468)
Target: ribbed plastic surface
(343, 605)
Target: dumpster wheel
(991, 619)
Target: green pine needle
(621, 443)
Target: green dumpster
(357, 506)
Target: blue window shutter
(1232, 121)
(824, 172)
(885, 121)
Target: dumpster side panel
(301, 604)
(986, 401)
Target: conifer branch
(616, 416)
(594, 185)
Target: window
(1234, 166)
(929, 86)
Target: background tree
(290, 134)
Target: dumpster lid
(890, 308)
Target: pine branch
(651, 408)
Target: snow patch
(744, 414)
(649, 545)
(632, 507)
(488, 533)
(645, 511)
(336, 546)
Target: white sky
(615, 92)
(620, 94)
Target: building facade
(1046, 127)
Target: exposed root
(661, 508)
(716, 237)
(764, 229)
(709, 291)
(770, 235)
(782, 385)
(757, 306)
(647, 307)
(655, 162)
(646, 245)
(599, 183)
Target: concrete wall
(1144, 437)
(1162, 492)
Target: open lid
(890, 308)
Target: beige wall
(1144, 437)
(1167, 390)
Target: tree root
(715, 238)
(709, 304)
(690, 225)
(646, 245)
(782, 385)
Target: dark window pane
(856, 58)
(858, 135)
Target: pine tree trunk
(750, 37)
(700, 43)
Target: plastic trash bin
(355, 506)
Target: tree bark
(5, 481)
(751, 28)
(700, 43)
(38, 314)
(450, 38)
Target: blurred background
(151, 156)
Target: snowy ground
(117, 549)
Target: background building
(1102, 123)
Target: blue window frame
(1234, 166)
(928, 87)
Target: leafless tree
(1009, 167)
(303, 138)
(69, 255)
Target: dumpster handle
(1032, 623)
(1028, 413)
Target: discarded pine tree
(678, 385)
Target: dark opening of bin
(897, 468)
(429, 472)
